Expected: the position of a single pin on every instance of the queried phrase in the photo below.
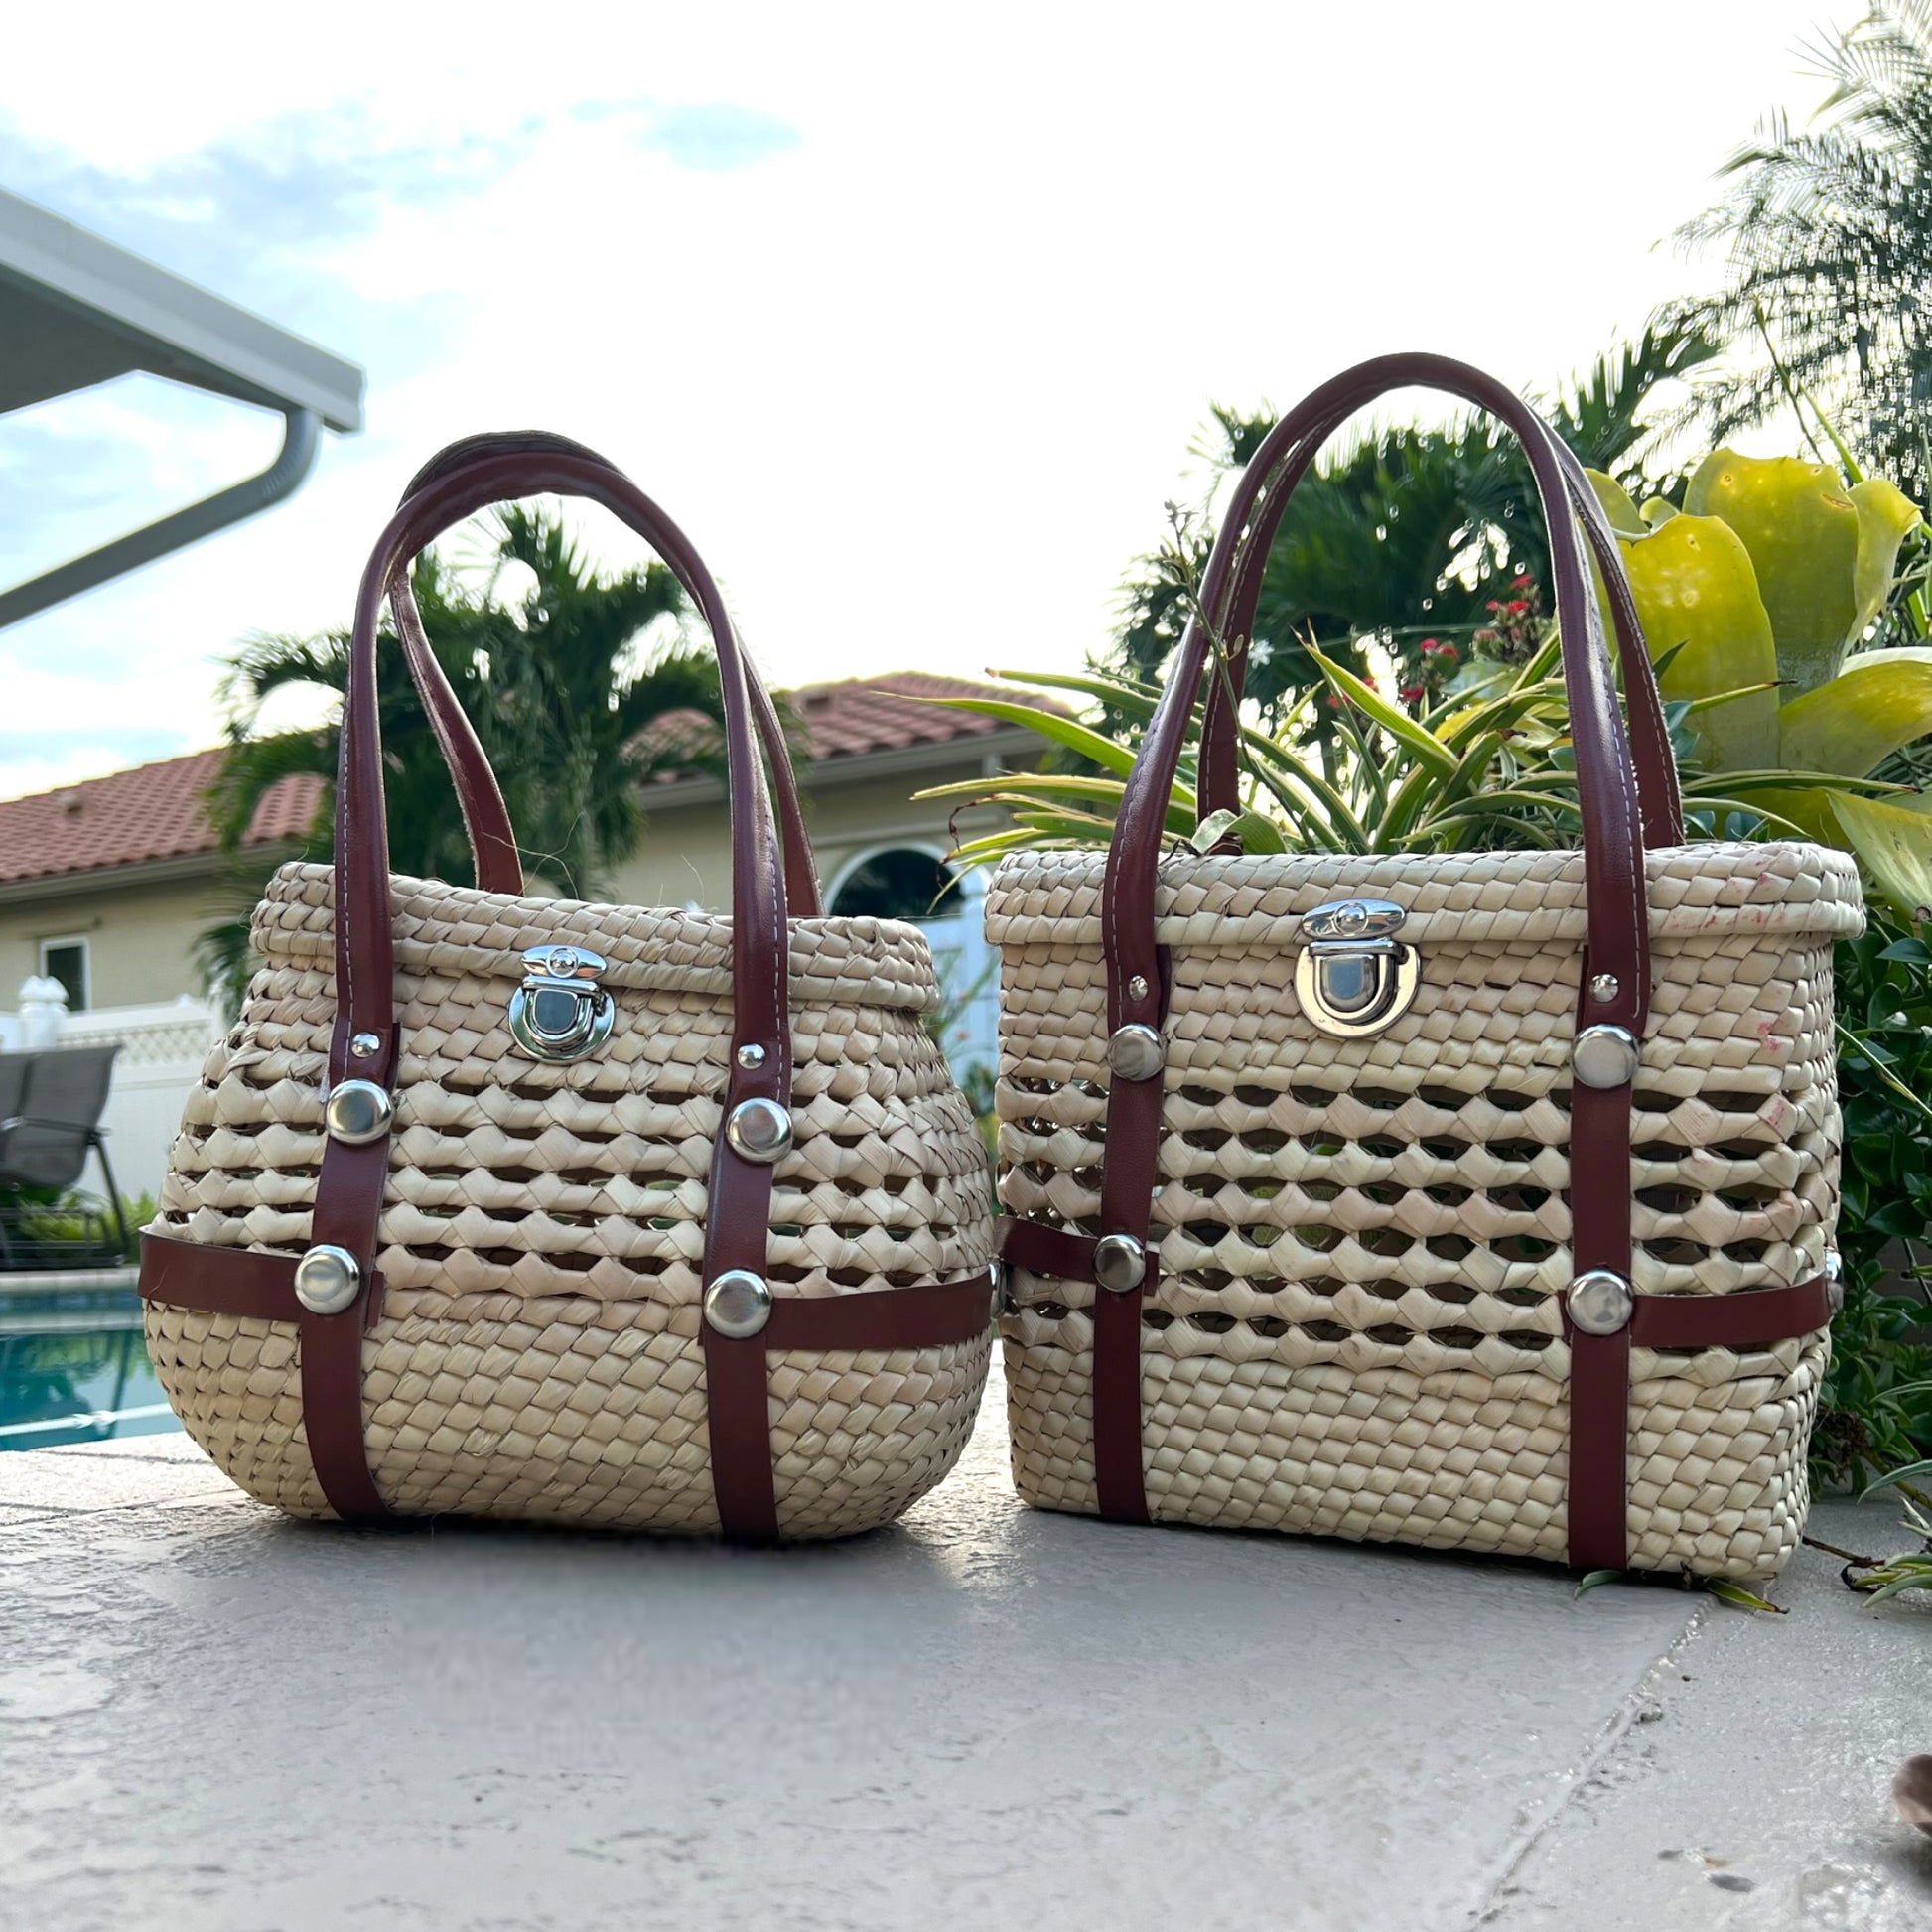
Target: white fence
(161, 1050)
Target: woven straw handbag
(512, 1206)
(1480, 1200)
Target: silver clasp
(1354, 977)
(561, 1011)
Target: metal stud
(1137, 986)
(1601, 1303)
(365, 1046)
(1834, 1281)
(750, 1058)
(1119, 1263)
(1604, 987)
(737, 1304)
(1135, 1052)
(325, 1280)
(1604, 1056)
(758, 1130)
(357, 1112)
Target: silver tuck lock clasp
(561, 1011)
(1354, 977)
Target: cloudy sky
(908, 314)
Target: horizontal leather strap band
(1742, 1321)
(229, 1281)
(1041, 1250)
(1745, 1319)
(242, 1281)
(924, 1316)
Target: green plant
(1884, 1578)
(1399, 539)
(1486, 763)
(1769, 593)
(1875, 1405)
(76, 1220)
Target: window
(65, 960)
(901, 883)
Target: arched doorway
(915, 883)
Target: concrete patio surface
(216, 1720)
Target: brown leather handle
(736, 1225)
(1618, 939)
(1656, 765)
(492, 839)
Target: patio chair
(53, 1102)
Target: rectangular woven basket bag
(512, 1206)
(1481, 1200)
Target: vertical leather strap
(349, 1208)
(1119, 1446)
(737, 1415)
(1599, 1365)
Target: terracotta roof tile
(153, 812)
(156, 811)
(883, 714)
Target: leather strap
(1041, 1250)
(1618, 945)
(1750, 1319)
(499, 865)
(930, 1314)
(1658, 792)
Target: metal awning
(75, 310)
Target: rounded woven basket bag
(510, 1206)
(1481, 1200)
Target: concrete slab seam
(1644, 1699)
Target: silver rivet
(758, 1130)
(1135, 1052)
(1119, 1263)
(1604, 1056)
(737, 1304)
(357, 1112)
(325, 1280)
(1834, 1281)
(1601, 1303)
(365, 1046)
(1604, 987)
(564, 961)
(751, 1058)
(1137, 986)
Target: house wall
(140, 937)
(685, 858)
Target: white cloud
(918, 382)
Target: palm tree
(1407, 538)
(1827, 238)
(558, 684)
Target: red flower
(1449, 653)
(1411, 692)
(1334, 701)
(1521, 582)
(1517, 605)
